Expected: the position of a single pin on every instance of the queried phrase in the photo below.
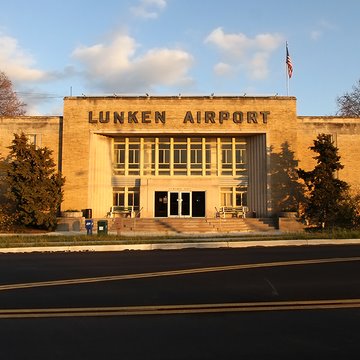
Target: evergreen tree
(287, 192)
(6, 210)
(34, 187)
(327, 195)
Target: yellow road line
(181, 309)
(172, 273)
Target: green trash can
(102, 227)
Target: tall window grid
(180, 156)
(233, 156)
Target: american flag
(289, 63)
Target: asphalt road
(253, 303)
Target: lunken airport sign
(206, 117)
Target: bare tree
(349, 103)
(10, 104)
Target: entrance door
(161, 204)
(185, 204)
(198, 204)
(179, 204)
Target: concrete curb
(183, 245)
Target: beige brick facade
(346, 135)
(45, 130)
(83, 144)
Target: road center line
(172, 273)
(181, 309)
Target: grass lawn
(44, 239)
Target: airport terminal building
(170, 156)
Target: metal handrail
(135, 217)
(138, 213)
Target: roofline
(327, 117)
(31, 117)
(178, 97)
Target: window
(134, 156)
(133, 198)
(126, 196)
(196, 156)
(226, 196)
(127, 156)
(233, 196)
(149, 156)
(34, 139)
(119, 158)
(241, 196)
(119, 197)
(180, 156)
(226, 157)
(207, 158)
(233, 156)
(240, 156)
(164, 156)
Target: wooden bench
(122, 211)
(234, 211)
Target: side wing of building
(43, 131)
(345, 133)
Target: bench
(234, 211)
(121, 211)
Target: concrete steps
(262, 224)
(176, 226)
(164, 226)
(230, 225)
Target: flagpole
(287, 83)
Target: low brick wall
(70, 224)
(288, 224)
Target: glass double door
(180, 204)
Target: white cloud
(242, 52)
(222, 69)
(116, 66)
(20, 67)
(148, 9)
(103, 59)
(316, 35)
(321, 28)
(258, 65)
(16, 63)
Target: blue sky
(51, 48)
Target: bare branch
(349, 103)
(10, 105)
